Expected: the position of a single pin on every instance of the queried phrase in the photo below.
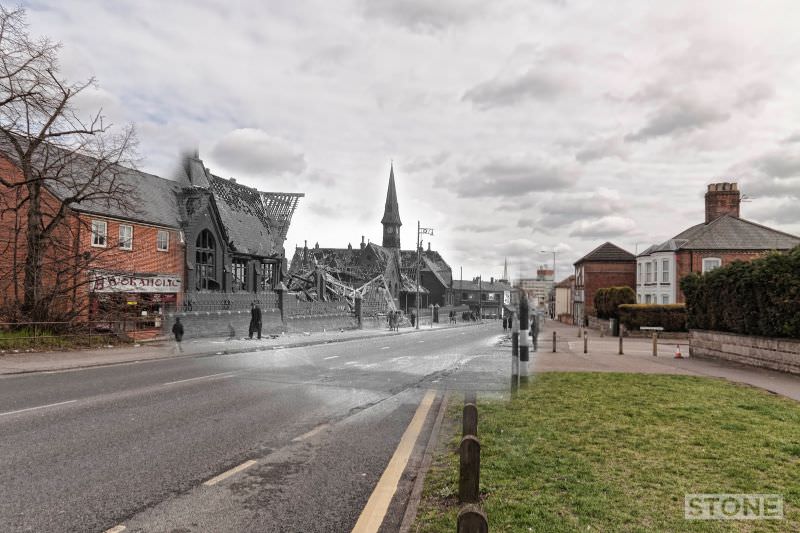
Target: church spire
(391, 215)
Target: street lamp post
(553, 251)
(420, 231)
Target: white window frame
(96, 234)
(158, 240)
(711, 263)
(647, 299)
(129, 239)
(639, 279)
(664, 299)
(648, 272)
(665, 271)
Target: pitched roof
(727, 233)
(431, 261)
(244, 217)
(566, 282)
(607, 252)
(391, 213)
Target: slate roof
(486, 286)
(727, 233)
(149, 198)
(566, 283)
(607, 252)
(431, 261)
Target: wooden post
(469, 470)
(586, 342)
(620, 343)
(554, 342)
(470, 420)
(655, 344)
(471, 519)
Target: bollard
(470, 420)
(620, 343)
(514, 353)
(586, 342)
(580, 331)
(524, 350)
(471, 519)
(554, 342)
(655, 344)
(469, 470)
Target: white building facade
(656, 279)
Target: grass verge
(618, 452)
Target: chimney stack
(429, 246)
(722, 199)
(363, 244)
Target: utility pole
(480, 297)
(427, 231)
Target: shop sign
(102, 282)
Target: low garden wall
(765, 352)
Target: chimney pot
(722, 199)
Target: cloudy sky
(515, 126)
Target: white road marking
(229, 473)
(116, 529)
(351, 362)
(311, 433)
(385, 348)
(420, 342)
(331, 357)
(221, 374)
(34, 408)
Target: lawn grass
(26, 339)
(617, 452)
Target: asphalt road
(315, 427)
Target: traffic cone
(678, 354)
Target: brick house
(486, 296)
(196, 241)
(608, 265)
(724, 237)
(118, 262)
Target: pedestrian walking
(413, 318)
(177, 330)
(255, 320)
(534, 331)
(505, 324)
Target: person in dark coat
(177, 330)
(413, 318)
(255, 320)
(534, 332)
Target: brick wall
(764, 352)
(689, 261)
(598, 275)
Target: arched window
(205, 262)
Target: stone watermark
(733, 506)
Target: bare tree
(63, 161)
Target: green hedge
(671, 317)
(608, 299)
(761, 297)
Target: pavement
(603, 356)
(24, 362)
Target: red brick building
(724, 237)
(608, 265)
(115, 262)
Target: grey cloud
(601, 149)
(754, 94)
(607, 227)
(758, 186)
(526, 223)
(532, 85)
(424, 163)
(326, 60)
(677, 117)
(779, 164)
(508, 179)
(423, 15)
(783, 211)
(793, 138)
(253, 151)
(480, 228)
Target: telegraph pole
(420, 231)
